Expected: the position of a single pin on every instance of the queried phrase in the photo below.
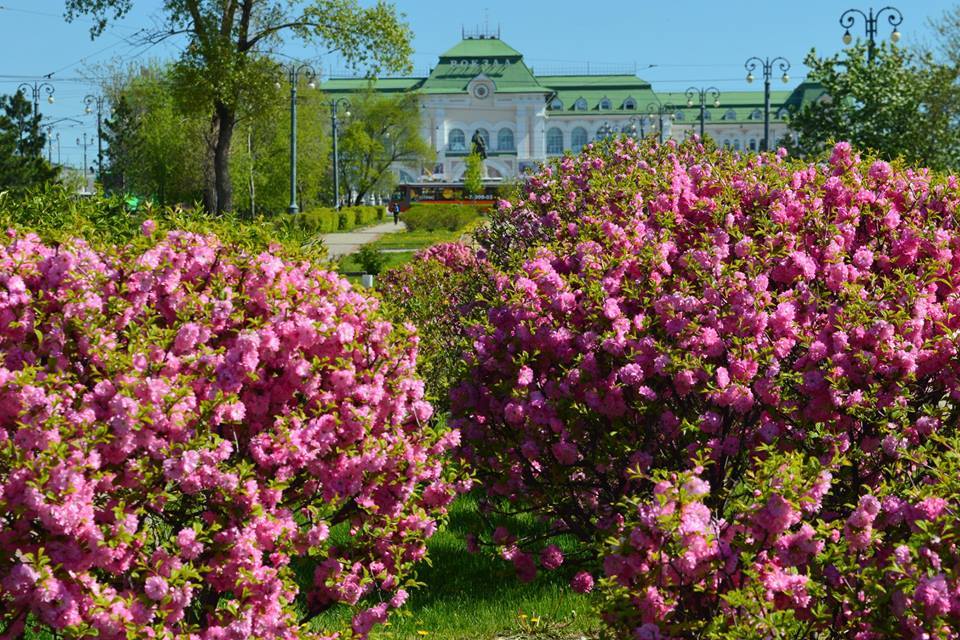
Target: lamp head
(50, 99)
(785, 78)
(750, 77)
(847, 38)
(88, 110)
(895, 36)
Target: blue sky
(672, 44)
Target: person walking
(396, 213)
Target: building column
(440, 138)
(523, 133)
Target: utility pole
(98, 100)
(253, 190)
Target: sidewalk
(347, 242)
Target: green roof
(617, 89)
(504, 66)
(385, 85)
(481, 48)
(487, 56)
(736, 107)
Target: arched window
(736, 144)
(756, 114)
(485, 135)
(580, 105)
(505, 140)
(706, 114)
(782, 113)
(456, 140)
(554, 142)
(605, 104)
(630, 104)
(730, 114)
(556, 104)
(753, 144)
(726, 144)
(578, 139)
(678, 115)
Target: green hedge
(431, 217)
(328, 220)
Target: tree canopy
(225, 67)
(900, 105)
(382, 130)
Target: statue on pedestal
(479, 145)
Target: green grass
(420, 239)
(477, 597)
(349, 263)
(410, 242)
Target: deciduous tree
(383, 130)
(900, 104)
(224, 63)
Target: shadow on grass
(476, 596)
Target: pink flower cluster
(744, 369)
(182, 426)
(453, 255)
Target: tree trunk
(209, 178)
(227, 120)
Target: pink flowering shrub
(198, 442)
(738, 375)
(440, 291)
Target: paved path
(347, 242)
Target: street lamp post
(767, 65)
(694, 92)
(870, 19)
(89, 101)
(35, 90)
(660, 109)
(633, 121)
(605, 131)
(294, 72)
(334, 125)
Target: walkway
(347, 242)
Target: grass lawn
(410, 241)
(475, 597)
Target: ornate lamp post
(702, 94)
(35, 90)
(335, 124)
(767, 65)
(660, 109)
(605, 131)
(90, 101)
(633, 123)
(870, 19)
(294, 72)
